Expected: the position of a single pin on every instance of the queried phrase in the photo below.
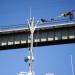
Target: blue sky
(54, 59)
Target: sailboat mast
(72, 65)
(32, 28)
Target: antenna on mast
(72, 65)
(30, 13)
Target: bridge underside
(43, 36)
(38, 44)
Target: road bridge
(45, 34)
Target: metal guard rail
(53, 22)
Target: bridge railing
(23, 26)
(61, 21)
(13, 27)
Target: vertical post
(72, 65)
(32, 28)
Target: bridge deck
(49, 34)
